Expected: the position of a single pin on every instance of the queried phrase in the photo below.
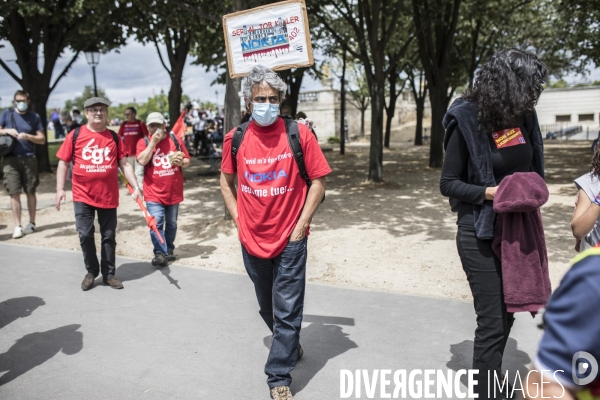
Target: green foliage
(559, 84)
(79, 101)
(157, 103)
(578, 23)
(333, 139)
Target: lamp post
(92, 56)
(217, 97)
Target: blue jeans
(279, 284)
(166, 221)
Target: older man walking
(163, 156)
(97, 153)
(276, 198)
(20, 166)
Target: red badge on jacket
(508, 137)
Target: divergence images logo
(583, 363)
(96, 155)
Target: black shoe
(300, 351)
(171, 257)
(160, 260)
(88, 282)
(113, 282)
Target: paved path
(185, 333)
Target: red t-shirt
(163, 183)
(131, 132)
(271, 193)
(95, 167)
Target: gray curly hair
(257, 75)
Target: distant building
(570, 107)
(323, 107)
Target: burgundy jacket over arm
(519, 241)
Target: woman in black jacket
(491, 132)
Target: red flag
(150, 220)
(179, 126)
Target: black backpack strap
(12, 118)
(115, 138)
(177, 145)
(236, 141)
(293, 134)
(146, 140)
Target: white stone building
(577, 106)
(323, 107)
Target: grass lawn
(52, 149)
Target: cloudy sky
(136, 72)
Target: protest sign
(276, 36)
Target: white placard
(276, 36)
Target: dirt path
(398, 236)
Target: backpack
(293, 135)
(7, 142)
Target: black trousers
(484, 274)
(84, 223)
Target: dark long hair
(595, 168)
(507, 88)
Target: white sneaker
(18, 233)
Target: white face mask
(264, 113)
(22, 106)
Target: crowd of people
(493, 174)
(207, 129)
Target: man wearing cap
(97, 153)
(132, 130)
(20, 166)
(163, 156)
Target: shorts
(20, 174)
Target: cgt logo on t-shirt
(94, 154)
(162, 164)
(162, 160)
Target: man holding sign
(272, 208)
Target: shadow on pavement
(514, 359)
(139, 270)
(20, 307)
(323, 340)
(37, 348)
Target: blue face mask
(21, 106)
(265, 114)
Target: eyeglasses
(21, 100)
(127, 114)
(263, 99)
(96, 110)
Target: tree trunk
(390, 110)
(376, 151)
(343, 108)
(362, 122)
(175, 93)
(419, 128)
(295, 84)
(439, 105)
(38, 99)
(233, 115)
(388, 130)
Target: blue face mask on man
(21, 106)
(265, 114)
